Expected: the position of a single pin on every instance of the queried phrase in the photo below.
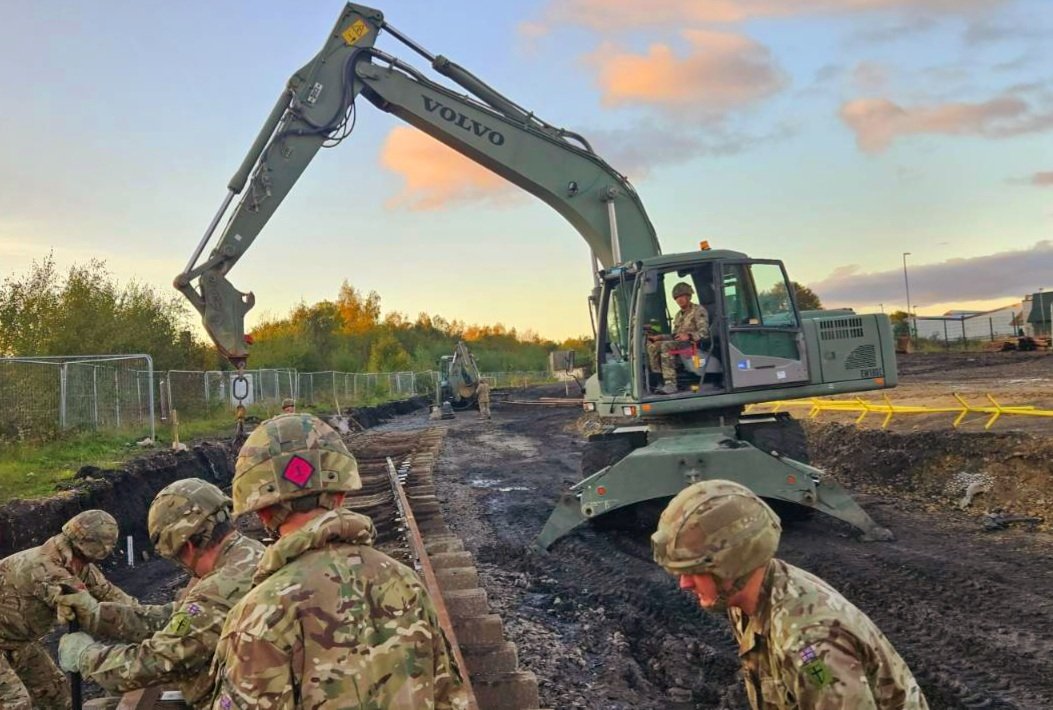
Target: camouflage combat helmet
(682, 289)
(288, 457)
(288, 402)
(92, 533)
(716, 527)
(182, 510)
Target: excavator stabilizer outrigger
(671, 463)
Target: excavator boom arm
(318, 108)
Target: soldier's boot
(668, 388)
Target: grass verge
(31, 470)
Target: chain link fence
(197, 394)
(341, 389)
(41, 397)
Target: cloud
(902, 29)
(608, 15)
(870, 76)
(1007, 274)
(436, 176)
(877, 122)
(721, 71)
(637, 150)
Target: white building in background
(975, 325)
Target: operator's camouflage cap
(288, 402)
(716, 527)
(181, 510)
(682, 289)
(92, 533)
(288, 457)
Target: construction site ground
(603, 627)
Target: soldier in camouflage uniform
(288, 405)
(801, 644)
(34, 587)
(482, 394)
(690, 325)
(189, 522)
(332, 622)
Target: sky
(835, 135)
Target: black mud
(603, 627)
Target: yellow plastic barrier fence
(817, 405)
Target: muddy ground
(603, 627)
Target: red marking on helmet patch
(298, 471)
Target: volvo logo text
(461, 121)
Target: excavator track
(398, 493)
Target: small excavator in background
(761, 346)
(458, 379)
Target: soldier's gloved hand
(81, 606)
(70, 648)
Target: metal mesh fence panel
(40, 397)
(197, 394)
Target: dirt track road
(603, 627)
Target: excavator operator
(690, 326)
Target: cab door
(765, 341)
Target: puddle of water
(491, 483)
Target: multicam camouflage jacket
(693, 321)
(181, 650)
(807, 647)
(31, 581)
(334, 623)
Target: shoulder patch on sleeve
(817, 674)
(179, 624)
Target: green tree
(807, 300)
(900, 323)
(388, 355)
(89, 312)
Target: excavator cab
(754, 341)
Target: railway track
(398, 493)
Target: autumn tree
(359, 313)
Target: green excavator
(458, 378)
(657, 436)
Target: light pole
(906, 283)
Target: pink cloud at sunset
(877, 122)
(435, 176)
(721, 71)
(608, 15)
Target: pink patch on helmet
(298, 471)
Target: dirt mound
(372, 416)
(927, 466)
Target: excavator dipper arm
(317, 109)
